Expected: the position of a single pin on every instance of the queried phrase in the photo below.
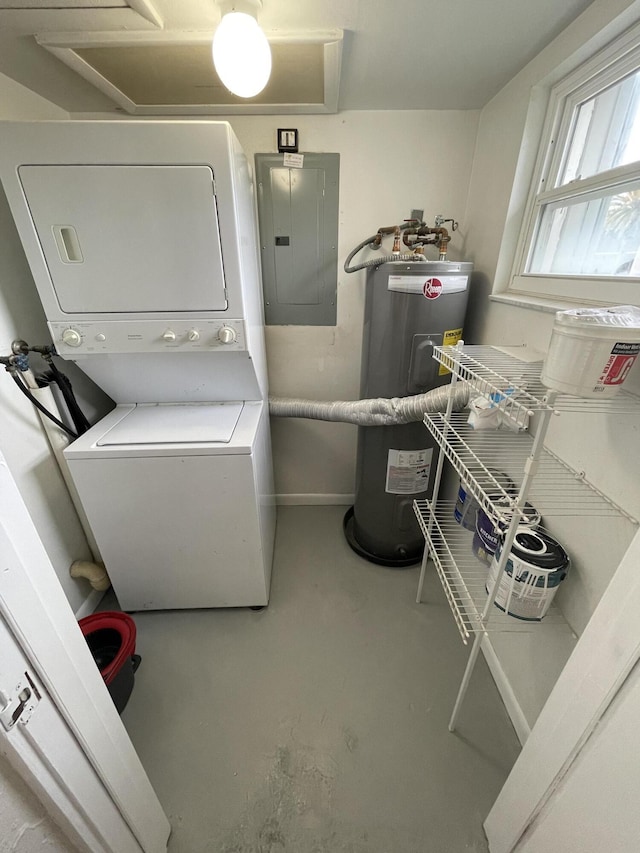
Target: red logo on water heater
(432, 288)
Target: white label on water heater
(408, 471)
(416, 283)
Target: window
(581, 234)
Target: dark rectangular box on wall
(298, 215)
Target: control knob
(169, 336)
(193, 335)
(227, 335)
(71, 337)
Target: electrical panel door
(298, 213)
(128, 239)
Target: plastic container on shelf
(592, 350)
(487, 535)
(536, 567)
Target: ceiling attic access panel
(171, 72)
(128, 239)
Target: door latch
(24, 698)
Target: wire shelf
(624, 403)
(463, 575)
(502, 468)
(512, 385)
(515, 388)
(478, 455)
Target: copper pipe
(383, 231)
(406, 233)
(443, 239)
(439, 235)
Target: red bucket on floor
(111, 637)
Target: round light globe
(241, 54)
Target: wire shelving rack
(517, 394)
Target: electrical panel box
(298, 215)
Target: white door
(42, 748)
(595, 807)
(583, 744)
(58, 724)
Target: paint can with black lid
(536, 567)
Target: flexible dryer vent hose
(376, 412)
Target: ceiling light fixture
(241, 52)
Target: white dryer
(179, 498)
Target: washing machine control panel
(138, 336)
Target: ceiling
(405, 54)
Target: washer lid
(170, 423)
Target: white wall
(603, 447)
(22, 440)
(390, 162)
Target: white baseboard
(511, 703)
(90, 603)
(314, 500)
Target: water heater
(409, 309)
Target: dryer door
(128, 239)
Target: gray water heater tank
(409, 309)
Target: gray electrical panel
(298, 215)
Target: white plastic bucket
(592, 350)
(536, 567)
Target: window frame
(620, 58)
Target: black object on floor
(399, 562)
(111, 637)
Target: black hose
(40, 407)
(77, 415)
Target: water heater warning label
(408, 471)
(449, 339)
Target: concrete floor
(318, 725)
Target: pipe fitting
(409, 232)
(441, 236)
(94, 573)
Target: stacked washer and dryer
(142, 240)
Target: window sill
(546, 304)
